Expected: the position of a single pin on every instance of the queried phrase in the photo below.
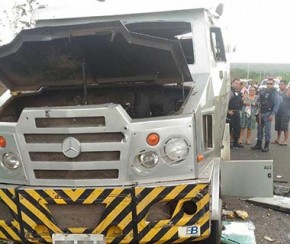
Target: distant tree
(18, 17)
(259, 76)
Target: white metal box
(247, 178)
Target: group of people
(247, 109)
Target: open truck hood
(96, 53)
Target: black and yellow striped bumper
(123, 215)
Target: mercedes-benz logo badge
(71, 147)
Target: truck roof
(116, 8)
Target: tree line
(258, 76)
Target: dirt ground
(268, 222)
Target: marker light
(153, 139)
(2, 142)
(199, 157)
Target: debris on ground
(280, 181)
(281, 190)
(238, 232)
(241, 214)
(229, 214)
(235, 214)
(276, 202)
(268, 238)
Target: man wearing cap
(269, 102)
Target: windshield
(179, 31)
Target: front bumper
(122, 215)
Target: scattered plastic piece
(238, 232)
(268, 238)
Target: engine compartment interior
(139, 101)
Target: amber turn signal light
(2, 142)
(153, 139)
(199, 157)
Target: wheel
(215, 234)
(216, 230)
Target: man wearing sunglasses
(269, 102)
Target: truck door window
(180, 31)
(217, 44)
(207, 131)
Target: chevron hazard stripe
(123, 215)
(166, 230)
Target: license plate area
(78, 239)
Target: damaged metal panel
(106, 52)
(247, 178)
(276, 202)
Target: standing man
(269, 102)
(235, 105)
(283, 115)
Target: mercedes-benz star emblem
(71, 147)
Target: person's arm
(246, 100)
(277, 102)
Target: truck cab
(112, 124)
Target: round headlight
(176, 149)
(10, 161)
(148, 159)
(144, 163)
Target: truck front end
(103, 132)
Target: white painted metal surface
(116, 7)
(247, 178)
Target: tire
(215, 234)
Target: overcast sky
(260, 29)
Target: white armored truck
(112, 123)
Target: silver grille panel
(84, 156)
(89, 138)
(76, 174)
(70, 122)
(103, 140)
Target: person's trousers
(264, 127)
(235, 125)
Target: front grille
(88, 138)
(70, 122)
(88, 144)
(85, 156)
(76, 174)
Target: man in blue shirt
(269, 102)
